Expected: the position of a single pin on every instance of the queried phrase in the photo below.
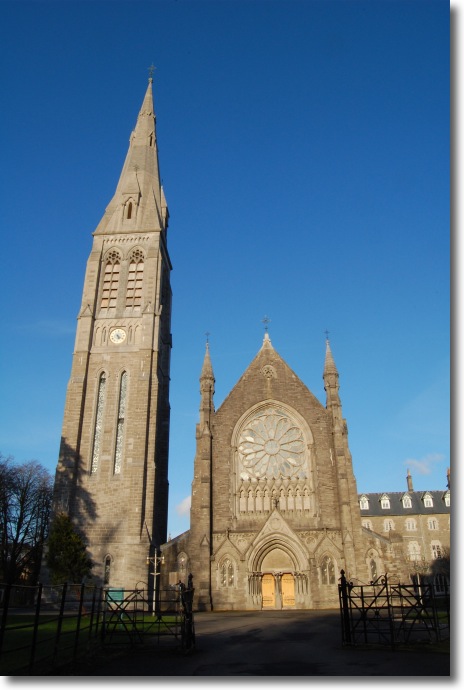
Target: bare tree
(25, 504)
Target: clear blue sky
(304, 151)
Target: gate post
(345, 610)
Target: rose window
(272, 445)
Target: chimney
(409, 481)
(448, 478)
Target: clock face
(118, 335)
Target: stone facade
(275, 511)
(112, 474)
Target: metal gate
(384, 612)
(133, 615)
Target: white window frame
(364, 503)
(407, 503)
(428, 501)
(388, 525)
(436, 549)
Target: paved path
(272, 643)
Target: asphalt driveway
(271, 643)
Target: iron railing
(385, 612)
(43, 627)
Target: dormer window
(407, 503)
(364, 503)
(428, 501)
(447, 499)
(385, 502)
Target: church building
(275, 512)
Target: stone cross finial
(151, 70)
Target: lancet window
(328, 571)
(107, 571)
(227, 573)
(120, 423)
(97, 433)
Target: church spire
(139, 203)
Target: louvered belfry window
(111, 280)
(135, 280)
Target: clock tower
(112, 474)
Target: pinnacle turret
(207, 368)
(329, 365)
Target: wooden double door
(278, 591)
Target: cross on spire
(266, 321)
(151, 70)
(207, 336)
(326, 334)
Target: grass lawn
(19, 636)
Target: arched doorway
(277, 582)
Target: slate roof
(396, 503)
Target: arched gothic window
(120, 423)
(373, 569)
(227, 573)
(328, 571)
(182, 565)
(135, 280)
(107, 571)
(97, 433)
(111, 280)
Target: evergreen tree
(67, 557)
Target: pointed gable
(268, 377)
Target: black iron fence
(43, 628)
(385, 612)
